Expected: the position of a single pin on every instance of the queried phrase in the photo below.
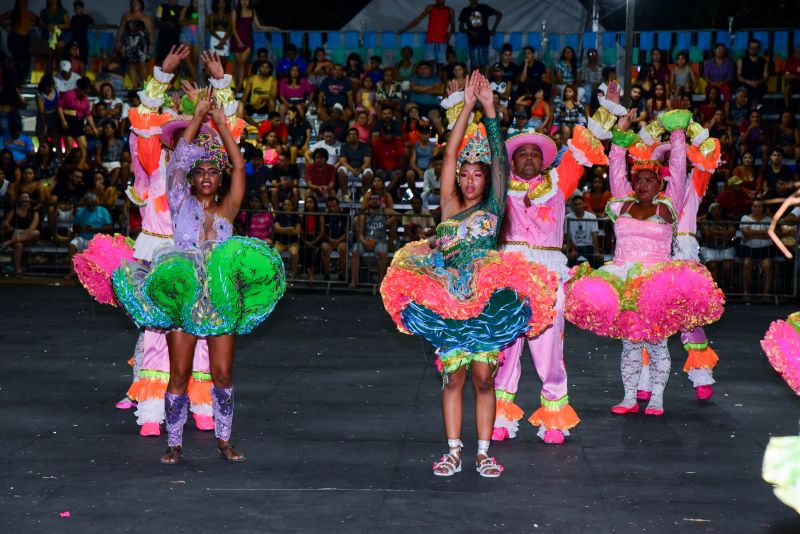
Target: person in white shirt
(66, 79)
(582, 238)
(329, 144)
(430, 187)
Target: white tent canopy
(562, 16)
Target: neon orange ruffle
(199, 391)
(700, 359)
(645, 357)
(591, 148)
(508, 410)
(562, 419)
(408, 281)
(147, 389)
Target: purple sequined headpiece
(213, 151)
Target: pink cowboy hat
(544, 143)
(172, 126)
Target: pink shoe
(499, 434)
(653, 411)
(704, 392)
(125, 404)
(622, 410)
(643, 395)
(150, 429)
(203, 422)
(553, 437)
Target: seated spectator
(597, 197)
(366, 99)
(257, 175)
(291, 59)
(566, 70)
(74, 111)
(752, 71)
(114, 105)
(273, 148)
(784, 187)
(658, 104)
(738, 109)
(609, 75)
(411, 125)
(11, 170)
(319, 68)
(335, 89)
(388, 93)
(329, 143)
(20, 144)
(90, 220)
(28, 184)
(753, 137)
(532, 72)
(320, 175)
(354, 69)
(752, 181)
(45, 164)
(636, 101)
(375, 71)
(22, 224)
(108, 153)
(298, 133)
(658, 69)
(257, 221)
(363, 127)
(425, 90)
(387, 160)
(583, 242)
(791, 76)
(334, 223)
(591, 73)
(106, 195)
(285, 178)
(716, 245)
(311, 237)
(421, 156)
(336, 123)
(71, 189)
(406, 68)
(712, 103)
(275, 123)
(735, 202)
(756, 245)
(498, 84)
(110, 69)
(286, 234)
(387, 120)
(417, 223)
(260, 91)
(294, 91)
(718, 71)
(519, 124)
(776, 170)
(371, 232)
(681, 79)
(355, 159)
(787, 136)
(65, 79)
(262, 56)
(541, 114)
(569, 111)
(459, 74)
(430, 183)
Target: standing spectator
(371, 236)
(108, 153)
(569, 111)
(331, 145)
(430, 183)
(74, 112)
(133, 41)
(260, 91)
(285, 179)
(65, 80)
(591, 73)
(681, 79)
(425, 90)
(311, 238)
(55, 24)
(335, 89)
(597, 197)
(299, 133)
(355, 158)
(286, 232)
(387, 153)
(751, 71)
(19, 38)
(718, 71)
(320, 67)
(243, 18)
(20, 144)
(189, 36)
(219, 25)
(659, 103)
(389, 93)
(756, 245)
(791, 76)
(22, 224)
(406, 68)
(79, 29)
(256, 222)
(583, 242)
(532, 72)
(441, 25)
(567, 70)
(168, 23)
(776, 170)
(787, 136)
(334, 223)
(320, 175)
(716, 245)
(294, 91)
(474, 21)
(375, 71)
(291, 59)
(734, 201)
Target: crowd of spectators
(343, 160)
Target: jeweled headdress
(651, 165)
(213, 151)
(475, 147)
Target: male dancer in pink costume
(148, 130)
(535, 226)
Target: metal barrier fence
(741, 267)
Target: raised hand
(624, 122)
(452, 87)
(191, 90)
(484, 93)
(204, 104)
(612, 93)
(218, 116)
(174, 58)
(470, 90)
(213, 64)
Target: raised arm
(676, 187)
(499, 166)
(233, 200)
(617, 167)
(447, 181)
(418, 19)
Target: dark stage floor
(339, 417)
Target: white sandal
(450, 462)
(488, 463)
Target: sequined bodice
(463, 240)
(646, 241)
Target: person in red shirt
(734, 200)
(274, 122)
(441, 26)
(791, 76)
(320, 176)
(387, 156)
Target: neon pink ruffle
(782, 345)
(663, 300)
(409, 279)
(95, 265)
